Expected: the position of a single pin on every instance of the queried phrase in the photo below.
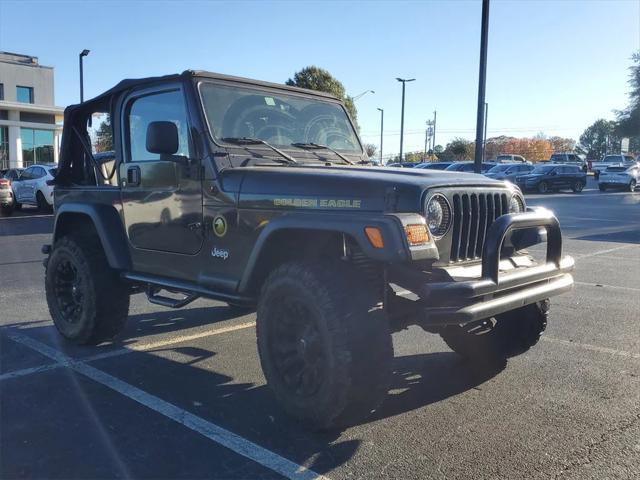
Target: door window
(164, 106)
(38, 172)
(27, 174)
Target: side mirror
(162, 138)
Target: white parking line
(29, 371)
(213, 432)
(21, 217)
(602, 285)
(588, 346)
(130, 349)
(600, 252)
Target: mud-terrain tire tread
(107, 308)
(358, 337)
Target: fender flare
(108, 226)
(395, 249)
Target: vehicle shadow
(225, 387)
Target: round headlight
(438, 215)
(516, 204)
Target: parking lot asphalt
(181, 393)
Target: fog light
(416, 234)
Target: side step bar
(153, 297)
(191, 291)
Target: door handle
(133, 176)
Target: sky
(554, 66)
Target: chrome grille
(473, 214)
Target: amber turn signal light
(416, 234)
(375, 236)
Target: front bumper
(451, 300)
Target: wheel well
(78, 223)
(296, 244)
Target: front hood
(345, 187)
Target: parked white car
(620, 176)
(31, 187)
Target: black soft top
(130, 83)
(75, 115)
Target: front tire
(632, 186)
(324, 343)
(602, 188)
(87, 299)
(495, 339)
(577, 186)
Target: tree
(104, 136)
(560, 144)
(370, 149)
(315, 78)
(600, 138)
(458, 149)
(628, 124)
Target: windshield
(542, 169)
(499, 168)
(457, 166)
(277, 118)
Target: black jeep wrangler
(256, 194)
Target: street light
(403, 81)
(428, 137)
(381, 131)
(482, 78)
(362, 94)
(83, 53)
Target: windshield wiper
(316, 146)
(289, 160)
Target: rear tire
(543, 187)
(495, 339)
(632, 186)
(324, 343)
(87, 299)
(43, 206)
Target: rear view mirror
(162, 138)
